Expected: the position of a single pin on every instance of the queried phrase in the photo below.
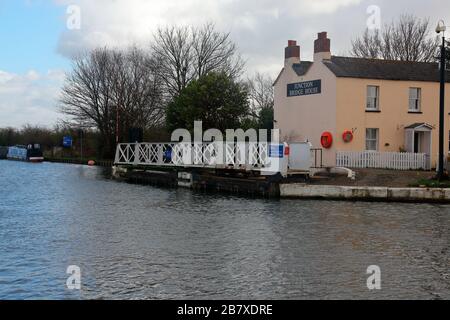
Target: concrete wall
(364, 193)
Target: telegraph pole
(81, 144)
(117, 125)
(441, 174)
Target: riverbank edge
(279, 188)
(381, 194)
(99, 163)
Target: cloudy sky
(38, 37)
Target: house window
(415, 95)
(372, 139)
(373, 98)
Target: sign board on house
(304, 88)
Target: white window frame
(373, 99)
(415, 101)
(376, 139)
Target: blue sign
(304, 88)
(167, 155)
(276, 151)
(67, 142)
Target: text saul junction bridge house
(361, 112)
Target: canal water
(140, 242)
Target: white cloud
(5, 77)
(326, 6)
(32, 75)
(125, 22)
(260, 28)
(29, 98)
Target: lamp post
(81, 137)
(441, 28)
(118, 127)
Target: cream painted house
(388, 106)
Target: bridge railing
(237, 155)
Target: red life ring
(347, 136)
(326, 140)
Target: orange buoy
(326, 140)
(347, 136)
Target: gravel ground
(376, 178)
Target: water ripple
(139, 242)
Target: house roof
(302, 68)
(362, 68)
(348, 67)
(419, 125)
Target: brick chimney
(291, 53)
(322, 47)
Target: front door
(422, 144)
(418, 142)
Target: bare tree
(408, 39)
(214, 51)
(187, 53)
(145, 90)
(136, 89)
(368, 45)
(173, 48)
(261, 95)
(110, 89)
(261, 100)
(87, 94)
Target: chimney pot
(322, 44)
(292, 51)
(322, 35)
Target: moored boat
(3, 152)
(31, 153)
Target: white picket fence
(382, 160)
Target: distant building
(365, 104)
